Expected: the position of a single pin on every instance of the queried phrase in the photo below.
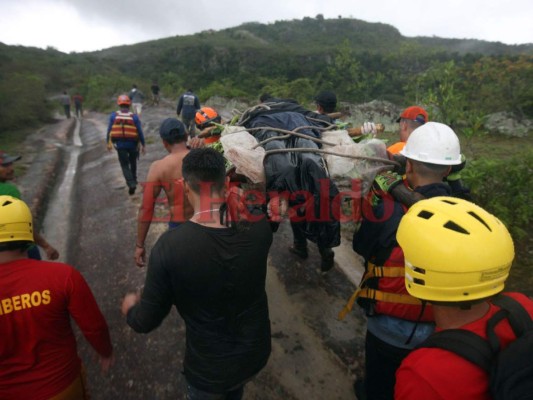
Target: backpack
(511, 369)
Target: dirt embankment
(314, 355)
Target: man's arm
(156, 299)
(406, 196)
(109, 126)
(51, 253)
(152, 189)
(84, 310)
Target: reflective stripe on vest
(123, 127)
(397, 303)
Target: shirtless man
(164, 174)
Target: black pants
(300, 239)
(381, 362)
(128, 163)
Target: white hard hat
(433, 143)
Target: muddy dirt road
(92, 219)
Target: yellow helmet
(454, 251)
(15, 220)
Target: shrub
(503, 187)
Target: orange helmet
(205, 116)
(123, 100)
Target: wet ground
(90, 217)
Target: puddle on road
(56, 224)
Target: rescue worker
(205, 120)
(410, 119)
(125, 134)
(457, 258)
(188, 104)
(7, 173)
(396, 321)
(38, 351)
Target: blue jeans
(197, 394)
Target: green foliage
(503, 187)
(22, 101)
(443, 96)
(302, 90)
(347, 74)
(359, 61)
(223, 87)
(502, 84)
(102, 91)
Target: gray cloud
(106, 23)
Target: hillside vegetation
(360, 61)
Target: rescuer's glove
(386, 181)
(369, 128)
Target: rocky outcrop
(377, 111)
(507, 124)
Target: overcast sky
(86, 25)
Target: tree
(346, 73)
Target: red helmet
(205, 116)
(123, 100)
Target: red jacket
(437, 374)
(38, 356)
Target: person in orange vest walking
(125, 134)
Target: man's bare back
(166, 173)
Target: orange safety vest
(389, 296)
(396, 147)
(384, 286)
(123, 128)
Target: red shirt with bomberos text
(38, 355)
(437, 374)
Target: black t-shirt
(216, 279)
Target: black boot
(328, 261)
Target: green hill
(361, 61)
